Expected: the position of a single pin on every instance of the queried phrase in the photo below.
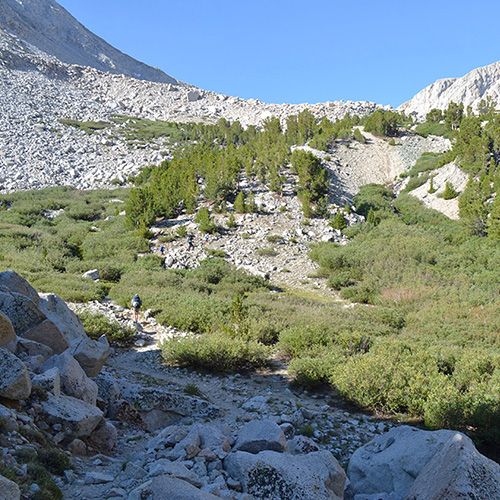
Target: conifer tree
(449, 192)
(251, 205)
(239, 203)
(306, 204)
(339, 221)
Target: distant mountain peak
(50, 28)
(469, 90)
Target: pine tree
(322, 208)
(205, 222)
(239, 203)
(339, 221)
(449, 192)
(306, 204)
(432, 189)
(231, 222)
(251, 205)
(472, 208)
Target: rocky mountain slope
(52, 68)
(469, 90)
(48, 27)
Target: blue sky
(296, 51)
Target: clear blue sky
(301, 51)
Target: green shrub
(54, 460)
(181, 231)
(231, 223)
(192, 390)
(149, 262)
(363, 293)
(214, 252)
(25, 455)
(108, 272)
(306, 430)
(273, 238)
(266, 252)
(312, 372)
(339, 280)
(69, 287)
(216, 353)
(416, 182)
(96, 325)
(48, 488)
(338, 221)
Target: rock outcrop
(470, 89)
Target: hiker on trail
(136, 304)
(207, 237)
(190, 241)
(162, 250)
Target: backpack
(136, 302)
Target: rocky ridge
(470, 89)
(45, 26)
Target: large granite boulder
(109, 390)
(91, 355)
(47, 333)
(7, 333)
(104, 438)
(64, 318)
(260, 435)
(15, 382)
(82, 418)
(213, 437)
(457, 472)
(9, 490)
(74, 381)
(15, 283)
(26, 347)
(22, 311)
(49, 380)
(170, 488)
(160, 408)
(164, 467)
(272, 475)
(390, 463)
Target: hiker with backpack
(136, 304)
(190, 240)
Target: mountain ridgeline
(48, 27)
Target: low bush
(266, 252)
(96, 325)
(216, 353)
(54, 460)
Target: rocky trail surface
(240, 398)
